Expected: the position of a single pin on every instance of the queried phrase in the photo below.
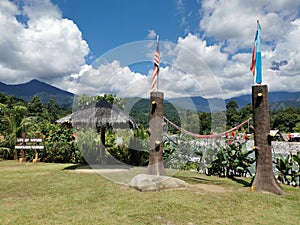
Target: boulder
(146, 182)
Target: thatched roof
(66, 119)
(100, 114)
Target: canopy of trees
(18, 116)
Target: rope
(206, 136)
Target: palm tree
(15, 122)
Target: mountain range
(25, 91)
(43, 90)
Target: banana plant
(296, 161)
(288, 169)
(284, 164)
(232, 159)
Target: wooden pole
(155, 166)
(101, 157)
(264, 179)
(23, 151)
(36, 152)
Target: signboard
(37, 147)
(30, 140)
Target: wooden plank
(38, 147)
(34, 140)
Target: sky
(107, 46)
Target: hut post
(101, 157)
(155, 166)
(264, 179)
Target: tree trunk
(155, 166)
(101, 157)
(264, 179)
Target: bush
(289, 169)
(232, 159)
(135, 153)
(59, 143)
(6, 153)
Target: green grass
(51, 194)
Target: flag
(255, 67)
(156, 61)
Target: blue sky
(107, 46)
(117, 22)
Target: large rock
(145, 182)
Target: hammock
(209, 135)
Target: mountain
(277, 100)
(43, 90)
(199, 103)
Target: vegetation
(18, 116)
(286, 120)
(47, 193)
(232, 159)
(52, 194)
(289, 169)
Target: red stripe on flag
(156, 61)
(253, 61)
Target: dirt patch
(99, 170)
(206, 188)
(211, 188)
(115, 174)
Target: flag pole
(256, 62)
(157, 40)
(258, 78)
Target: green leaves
(232, 160)
(289, 169)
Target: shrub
(289, 169)
(232, 159)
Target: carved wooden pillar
(264, 179)
(155, 166)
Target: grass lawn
(52, 194)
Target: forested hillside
(37, 88)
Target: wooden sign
(29, 140)
(39, 147)
(33, 143)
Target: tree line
(18, 116)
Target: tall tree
(232, 113)
(35, 106)
(205, 122)
(53, 110)
(14, 121)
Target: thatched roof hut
(100, 114)
(66, 121)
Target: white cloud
(231, 25)
(233, 21)
(212, 63)
(151, 34)
(111, 78)
(44, 45)
(37, 9)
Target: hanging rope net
(209, 135)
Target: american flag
(156, 62)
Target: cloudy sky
(107, 46)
